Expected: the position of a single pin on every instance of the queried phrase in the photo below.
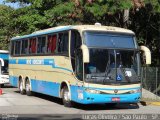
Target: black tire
(28, 89)
(1, 85)
(21, 90)
(66, 101)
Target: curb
(155, 103)
(146, 103)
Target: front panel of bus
(112, 74)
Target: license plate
(116, 99)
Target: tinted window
(17, 47)
(51, 43)
(75, 44)
(32, 45)
(4, 69)
(99, 39)
(75, 41)
(41, 45)
(12, 48)
(24, 47)
(63, 42)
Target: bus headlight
(92, 91)
(135, 91)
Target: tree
(6, 26)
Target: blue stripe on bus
(12, 61)
(49, 62)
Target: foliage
(6, 25)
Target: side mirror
(85, 53)
(147, 54)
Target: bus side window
(79, 64)
(24, 49)
(32, 44)
(41, 45)
(51, 45)
(63, 39)
(12, 48)
(65, 42)
(60, 38)
(17, 47)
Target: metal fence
(150, 78)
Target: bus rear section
(4, 77)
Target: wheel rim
(21, 86)
(66, 95)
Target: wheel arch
(28, 78)
(64, 83)
(20, 77)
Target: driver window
(75, 44)
(79, 65)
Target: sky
(14, 5)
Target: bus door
(76, 54)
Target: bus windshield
(114, 58)
(111, 66)
(103, 39)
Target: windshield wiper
(126, 77)
(107, 72)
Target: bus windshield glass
(104, 39)
(114, 58)
(112, 66)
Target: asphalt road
(39, 106)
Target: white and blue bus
(4, 77)
(87, 64)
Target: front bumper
(90, 98)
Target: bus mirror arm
(147, 54)
(85, 53)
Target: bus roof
(78, 27)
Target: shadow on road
(7, 86)
(90, 107)
(51, 117)
(118, 106)
(49, 98)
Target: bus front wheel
(66, 97)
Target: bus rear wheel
(66, 97)
(21, 90)
(28, 88)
